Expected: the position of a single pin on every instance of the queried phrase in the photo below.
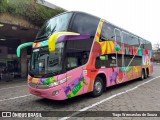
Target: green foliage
(29, 9)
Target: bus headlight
(55, 92)
(58, 82)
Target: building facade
(20, 21)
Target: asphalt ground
(135, 95)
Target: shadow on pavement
(84, 97)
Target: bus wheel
(142, 74)
(98, 87)
(147, 72)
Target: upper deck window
(130, 39)
(107, 32)
(147, 45)
(55, 24)
(84, 24)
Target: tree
(157, 47)
(37, 14)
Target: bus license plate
(36, 93)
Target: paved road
(132, 96)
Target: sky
(141, 17)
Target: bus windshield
(45, 63)
(56, 24)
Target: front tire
(98, 87)
(143, 75)
(147, 73)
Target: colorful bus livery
(75, 53)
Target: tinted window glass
(107, 32)
(107, 61)
(77, 53)
(133, 41)
(142, 42)
(47, 63)
(118, 35)
(130, 39)
(84, 24)
(147, 45)
(137, 61)
(55, 24)
(125, 37)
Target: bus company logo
(6, 114)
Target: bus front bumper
(53, 93)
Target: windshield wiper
(46, 36)
(33, 73)
(53, 30)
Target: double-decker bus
(76, 53)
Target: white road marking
(12, 87)
(15, 98)
(106, 99)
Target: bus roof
(93, 16)
(77, 12)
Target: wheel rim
(98, 87)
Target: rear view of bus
(76, 53)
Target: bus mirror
(53, 38)
(52, 42)
(24, 45)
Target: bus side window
(72, 62)
(130, 39)
(77, 52)
(142, 42)
(125, 37)
(147, 45)
(84, 24)
(107, 32)
(108, 61)
(133, 41)
(118, 35)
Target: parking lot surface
(135, 95)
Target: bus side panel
(113, 75)
(90, 77)
(117, 75)
(136, 72)
(75, 83)
(146, 60)
(150, 66)
(151, 63)
(90, 80)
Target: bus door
(119, 49)
(74, 68)
(77, 55)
